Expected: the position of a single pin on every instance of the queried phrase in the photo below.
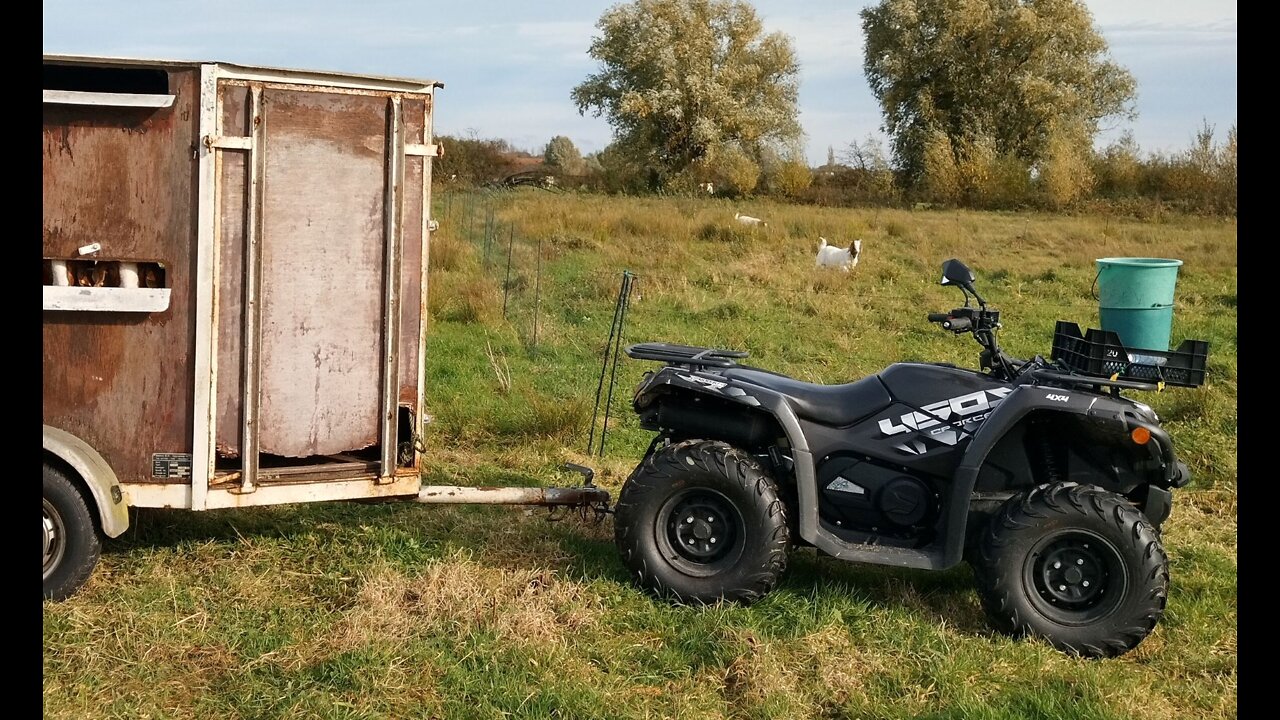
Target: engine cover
(860, 495)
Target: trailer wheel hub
(54, 532)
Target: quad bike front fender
(1117, 418)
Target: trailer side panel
(123, 177)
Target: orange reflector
(1140, 435)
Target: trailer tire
(700, 521)
(1076, 565)
(71, 538)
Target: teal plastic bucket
(1135, 300)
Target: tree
(561, 154)
(1065, 175)
(683, 81)
(1118, 167)
(1017, 73)
(472, 160)
(735, 171)
(790, 177)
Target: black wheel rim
(55, 538)
(700, 532)
(1075, 577)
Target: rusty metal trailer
(235, 287)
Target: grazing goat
(707, 188)
(844, 258)
(748, 220)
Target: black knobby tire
(71, 545)
(1076, 565)
(701, 521)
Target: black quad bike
(1047, 481)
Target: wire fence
(517, 264)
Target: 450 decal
(968, 410)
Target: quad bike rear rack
(688, 355)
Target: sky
(508, 67)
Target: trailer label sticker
(171, 465)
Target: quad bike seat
(837, 405)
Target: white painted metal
(106, 299)
(391, 237)
(232, 142)
(422, 149)
(325, 79)
(179, 495)
(428, 226)
(156, 495)
(206, 309)
(76, 97)
(320, 491)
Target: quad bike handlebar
(967, 319)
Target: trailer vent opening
(105, 285)
(103, 273)
(121, 87)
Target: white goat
(844, 258)
(748, 220)
(707, 188)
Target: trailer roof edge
(297, 74)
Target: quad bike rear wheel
(1076, 565)
(701, 521)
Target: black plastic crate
(1100, 353)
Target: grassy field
(364, 611)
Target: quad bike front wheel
(701, 521)
(1076, 565)
(71, 543)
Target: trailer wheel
(701, 521)
(1076, 565)
(71, 543)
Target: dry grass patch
(458, 596)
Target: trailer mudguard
(97, 476)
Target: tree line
(986, 104)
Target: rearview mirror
(955, 272)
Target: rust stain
(123, 177)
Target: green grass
(369, 611)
